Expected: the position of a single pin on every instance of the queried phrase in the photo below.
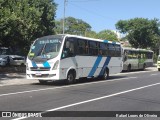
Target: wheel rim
(105, 76)
(144, 66)
(70, 78)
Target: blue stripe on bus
(104, 65)
(93, 70)
(105, 41)
(46, 64)
(34, 64)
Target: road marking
(95, 99)
(30, 91)
(153, 74)
(137, 72)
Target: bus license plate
(38, 74)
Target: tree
(80, 27)
(91, 34)
(73, 26)
(58, 26)
(141, 32)
(107, 35)
(24, 20)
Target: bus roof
(138, 49)
(81, 37)
(99, 40)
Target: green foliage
(141, 32)
(24, 20)
(73, 26)
(107, 35)
(91, 34)
(80, 27)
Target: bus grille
(40, 68)
(41, 76)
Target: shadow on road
(10, 76)
(80, 81)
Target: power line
(91, 12)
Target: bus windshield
(45, 47)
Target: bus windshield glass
(45, 47)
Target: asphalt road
(133, 91)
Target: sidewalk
(5, 76)
(15, 79)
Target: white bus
(70, 57)
(136, 59)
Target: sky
(104, 14)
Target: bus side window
(103, 48)
(68, 50)
(117, 50)
(82, 48)
(93, 48)
(111, 49)
(125, 55)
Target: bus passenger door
(69, 53)
(141, 60)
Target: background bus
(134, 59)
(158, 62)
(70, 57)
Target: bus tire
(105, 74)
(144, 67)
(129, 68)
(70, 78)
(158, 69)
(42, 81)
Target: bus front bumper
(42, 75)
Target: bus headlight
(55, 65)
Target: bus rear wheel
(105, 75)
(144, 67)
(129, 68)
(70, 78)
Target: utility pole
(65, 1)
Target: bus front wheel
(70, 78)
